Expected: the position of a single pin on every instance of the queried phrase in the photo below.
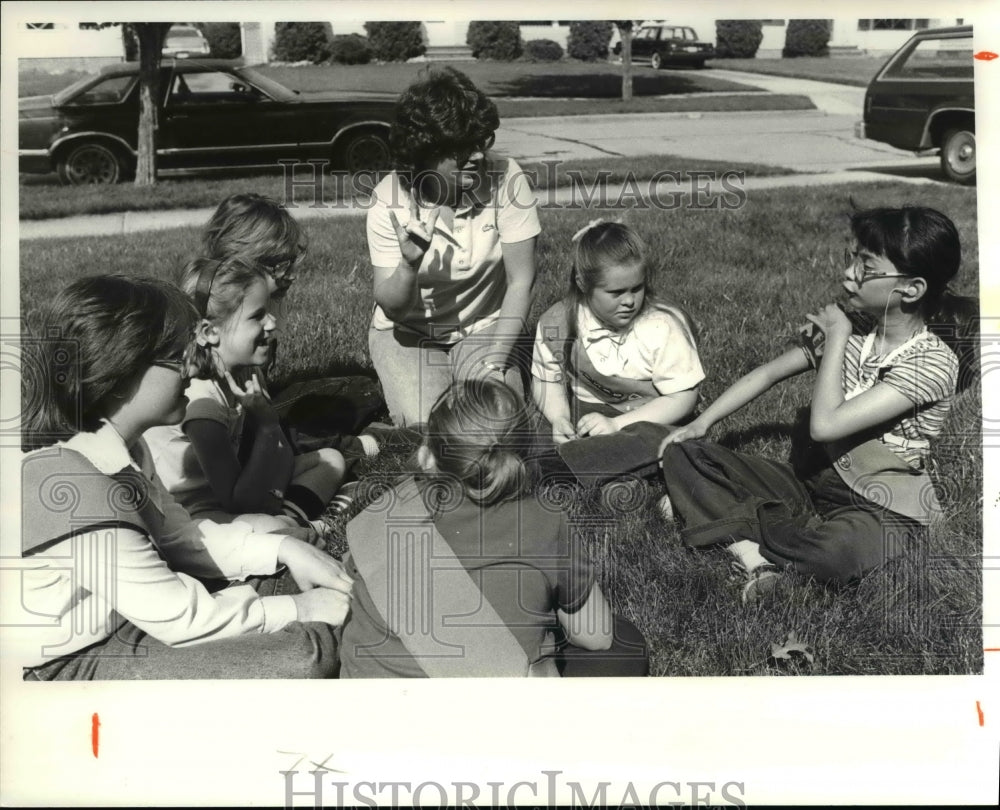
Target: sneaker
(665, 508)
(369, 445)
(760, 585)
(344, 499)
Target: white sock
(748, 554)
(369, 444)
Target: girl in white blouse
(112, 563)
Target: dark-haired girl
(881, 395)
(464, 572)
(111, 563)
(451, 235)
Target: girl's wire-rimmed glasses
(851, 262)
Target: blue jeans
(415, 371)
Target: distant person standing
(451, 234)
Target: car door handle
(176, 117)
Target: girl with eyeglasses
(229, 455)
(451, 234)
(109, 558)
(880, 397)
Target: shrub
(588, 39)
(395, 41)
(543, 50)
(302, 42)
(224, 39)
(495, 39)
(737, 39)
(806, 38)
(350, 49)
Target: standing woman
(451, 235)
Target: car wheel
(655, 62)
(366, 151)
(90, 163)
(958, 155)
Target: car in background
(213, 114)
(923, 100)
(185, 40)
(662, 45)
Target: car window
(935, 59)
(648, 33)
(110, 91)
(211, 88)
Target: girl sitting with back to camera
(464, 571)
(611, 356)
(878, 401)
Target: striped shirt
(925, 372)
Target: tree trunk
(625, 31)
(150, 37)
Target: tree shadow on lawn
(609, 85)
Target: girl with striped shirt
(879, 398)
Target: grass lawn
(747, 277)
(563, 88)
(854, 70)
(42, 197)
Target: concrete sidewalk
(835, 99)
(663, 195)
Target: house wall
(66, 46)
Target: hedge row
(495, 39)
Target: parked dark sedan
(923, 100)
(664, 45)
(213, 113)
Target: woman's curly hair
(441, 114)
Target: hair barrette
(203, 289)
(579, 234)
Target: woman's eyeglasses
(282, 267)
(461, 156)
(852, 262)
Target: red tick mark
(982, 719)
(95, 725)
(986, 56)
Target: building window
(892, 25)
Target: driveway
(817, 140)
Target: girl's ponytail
(475, 431)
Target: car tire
(958, 156)
(365, 151)
(90, 163)
(655, 62)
